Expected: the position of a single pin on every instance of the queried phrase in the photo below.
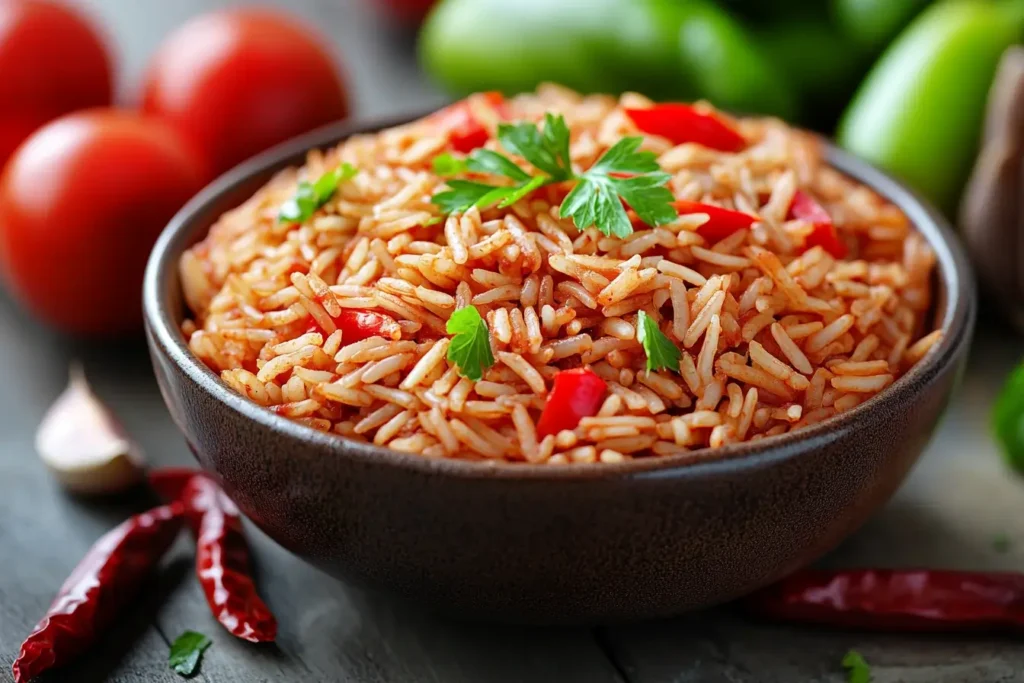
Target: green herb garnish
(621, 174)
(311, 196)
(470, 348)
(661, 352)
(547, 150)
(857, 666)
(465, 194)
(186, 651)
(595, 199)
(448, 165)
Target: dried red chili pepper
(222, 554)
(102, 583)
(576, 394)
(897, 600)
(465, 133)
(682, 123)
(824, 234)
(722, 222)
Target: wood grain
(957, 501)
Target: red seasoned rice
(774, 338)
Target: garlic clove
(83, 445)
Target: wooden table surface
(948, 514)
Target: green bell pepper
(920, 111)
(667, 49)
(871, 24)
(727, 65)
(1008, 419)
(822, 65)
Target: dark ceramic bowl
(543, 543)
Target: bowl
(553, 543)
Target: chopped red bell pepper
(577, 393)
(824, 234)
(722, 222)
(357, 325)
(682, 123)
(464, 132)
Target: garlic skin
(992, 213)
(83, 445)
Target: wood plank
(955, 504)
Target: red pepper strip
(824, 234)
(721, 223)
(577, 393)
(103, 582)
(682, 123)
(896, 600)
(222, 554)
(464, 132)
(357, 325)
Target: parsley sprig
(661, 352)
(470, 348)
(186, 652)
(311, 196)
(622, 173)
(857, 667)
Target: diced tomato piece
(465, 133)
(805, 208)
(577, 394)
(357, 324)
(824, 234)
(722, 222)
(682, 123)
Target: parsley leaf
(547, 151)
(186, 652)
(859, 670)
(661, 352)
(464, 194)
(595, 200)
(486, 161)
(470, 348)
(311, 196)
(623, 173)
(520, 191)
(448, 165)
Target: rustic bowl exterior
(531, 543)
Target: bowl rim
(956, 313)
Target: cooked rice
(773, 337)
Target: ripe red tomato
(51, 63)
(239, 81)
(81, 204)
